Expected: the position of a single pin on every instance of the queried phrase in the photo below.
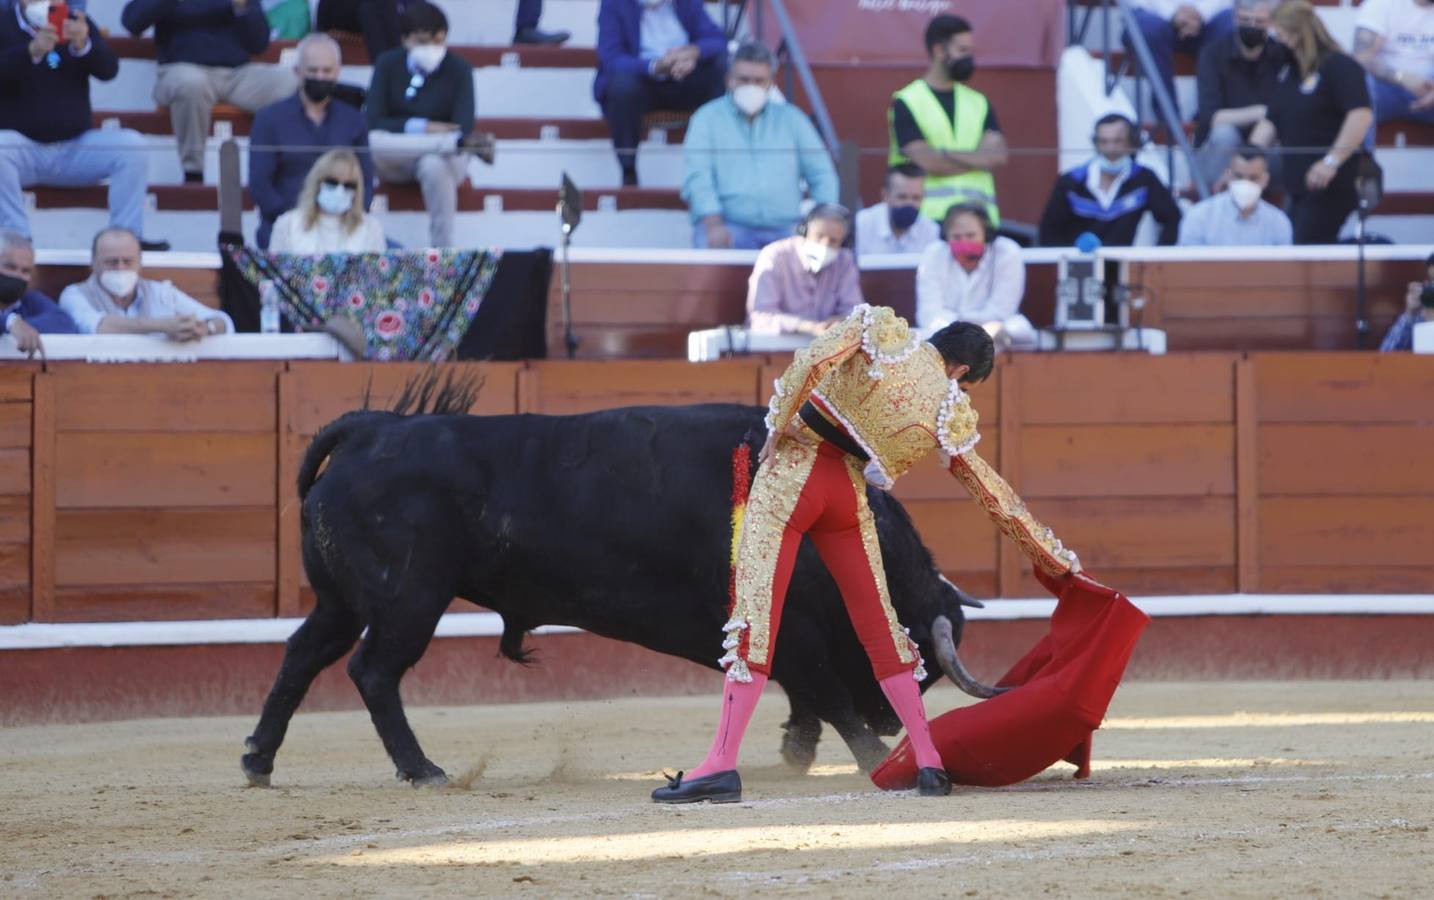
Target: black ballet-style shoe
(933, 783)
(719, 787)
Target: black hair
(966, 343)
(420, 16)
(1429, 263)
(1132, 131)
(905, 170)
(1251, 153)
(111, 229)
(978, 210)
(942, 29)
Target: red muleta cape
(1061, 690)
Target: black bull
(616, 522)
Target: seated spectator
(1321, 115)
(732, 202)
(1418, 307)
(947, 128)
(807, 283)
(26, 314)
(1237, 217)
(421, 88)
(1183, 25)
(895, 225)
(116, 300)
(1394, 40)
(376, 20)
(1236, 80)
(288, 136)
(204, 49)
(45, 111)
(1109, 195)
(654, 55)
(972, 276)
(329, 217)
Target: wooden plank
(1147, 582)
(15, 520)
(15, 425)
(1346, 531)
(14, 565)
(1345, 387)
(1348, 579)
(1127, 460)
(15, 604)
(147, 603)
(959, 535)
(171, 546)
(326, 390)
(1010, 383)
(1247, 478)
(1130, 388)
(201, 396)
(163, 469)
(286, 500)
(15, 382)
(1346, 459)
(571, 387)
(1143, 532)
(42, 499)
(14, 472)
(981, 585)
(930, 480)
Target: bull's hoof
(799, 747)
(431, 781)
(256, 770)
(869, 754)
(427, 776)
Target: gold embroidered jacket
(889, 390)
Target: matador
(861, 404)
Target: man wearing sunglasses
(422, 89)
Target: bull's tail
(323, 444)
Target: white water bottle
(268, 307)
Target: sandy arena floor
(1225, 790)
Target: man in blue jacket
(25, 314)
(654, 55)
(204, 50)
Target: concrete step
(156, 122)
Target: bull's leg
(828, 699)
(391, 649)
(803, 729)
(327, 634)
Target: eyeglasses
(414, 83)
(335, 183)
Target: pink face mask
(967, 251)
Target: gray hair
(317, 39)
(113, 229)
(755, 53)
(1248, 5)
(9, 240)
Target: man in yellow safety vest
(947, 128)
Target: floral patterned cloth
(412, 305)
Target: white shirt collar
(1092, 181)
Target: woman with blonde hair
(1320, 113)
(329, 217)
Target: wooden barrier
(167, 491)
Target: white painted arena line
(46, 636)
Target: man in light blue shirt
(1237, 216)
(745, 159)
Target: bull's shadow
(617, 522)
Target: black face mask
(318, 90)
(12, 289)
(1252, 37)
(960, 69)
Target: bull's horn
(962, 597)
(951, 662)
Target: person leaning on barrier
(116, 300)
(947, 128)
(329, 216)
(26, 314)
(745, 158)
(1237, 217)
(205, 50)
(807, 283)
(1235, 82)
(972, 276)
(288, 137)
(895, 225)
(45, 113)
(1418, 307)
(1109, 195)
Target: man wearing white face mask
(116, 300)
(1237, 216)
(745, 159)
(807, 283)
(422, 89)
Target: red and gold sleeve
(810, 366)
(995, 496)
